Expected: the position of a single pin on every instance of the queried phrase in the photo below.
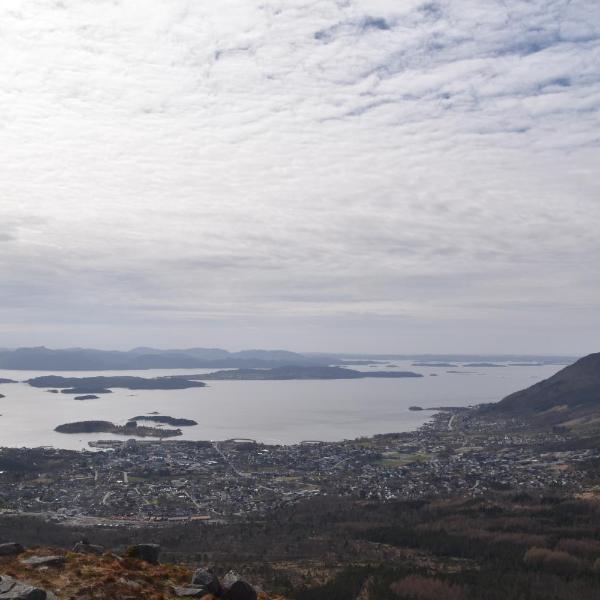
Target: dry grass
(106, 577)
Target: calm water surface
(269, 411)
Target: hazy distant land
(89, 359)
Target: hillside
(502, 546)
(570, 398)
(87, 573)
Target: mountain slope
(53, 574)
(571, 397)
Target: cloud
(334, 160)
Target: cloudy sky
(381, 175)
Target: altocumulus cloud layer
(352, 174)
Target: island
(295, 372)
(3, 380)
(165, 420)
(86, 397)
(102, 384)
(526, 364)
(88, 390)
(131, 428)
(434, 364)
(483, 364)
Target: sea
(274, 412)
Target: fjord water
(269, 411)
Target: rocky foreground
(89, 573)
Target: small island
(526, 364)
(414, 408)
(165, 420)
(3, 380)
(87, 390)
(86, 397)
(102, 384)
(434, 364)
(131, 428)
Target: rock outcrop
(11, 589)
(43, 574)
(182, 591)
(236, 588)
(207, 579)
(45, 561)
(84, 547)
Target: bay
(285, 412)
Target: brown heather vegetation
(589, 549)
(106, 577)
(416, 587)
(506, 546)
(554, 561)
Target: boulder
(146, 552)
(240, 590)
(11, 549)
(235, 588)
(189, 591)
(45, 561)
(85, 547)
(206, 579)
(11, 589)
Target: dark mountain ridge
(87, 359)
(571, 397)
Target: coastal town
(140, 481)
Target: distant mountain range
(517, 359)
(86, 359)
(570, 398)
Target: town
(141, 482)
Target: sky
(350, 175)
